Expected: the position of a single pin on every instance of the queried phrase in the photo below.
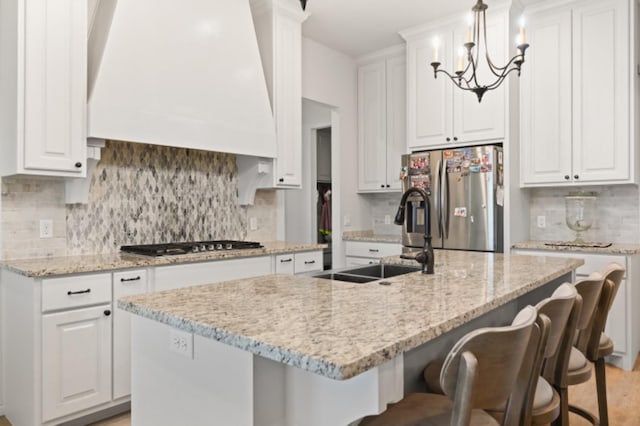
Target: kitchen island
(291, 350)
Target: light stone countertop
(52, 266)
(369, 236)
(338, 329)
(614, 248)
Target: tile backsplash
(616, 218)
(138, 194)
(381, 205)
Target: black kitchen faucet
(425, 257)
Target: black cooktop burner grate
(189, 247)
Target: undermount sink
(382, 271)
(365, 274)
(346, 277)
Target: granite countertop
(338, 329)
(51, 266)
(370, 236)
(614, 248)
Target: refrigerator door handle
(438, 192)
(445, 203)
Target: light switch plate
(542, 221)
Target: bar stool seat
(427, 409)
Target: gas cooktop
(189, 247)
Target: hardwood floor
(623, 393)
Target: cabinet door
(545, 101)
(287, 100)
(396, 119)
(478, 121)
(601, 143)
(55, 96)
(76, 360)
(124, 284)
(372, 126)
(429, 99)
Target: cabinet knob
(455, 138)
(107, 312)
(78, 165)
(448, 139)
(576, 177)
(281, 180)
(566, 177)
(388, 186)
(382, 186)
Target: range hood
(179, 73)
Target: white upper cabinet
(381, 123)
(575, 98)
(440, 114)
(43, 89)
(278, 25)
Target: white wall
(330, 77)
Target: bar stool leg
(601, 390)
(563, 417)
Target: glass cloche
(580, 211)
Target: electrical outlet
(181, 343)
(347, 220)
(387, 219)
(542, 222)
(253, 223)
(46, 228)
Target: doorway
(304, 207)
(324, 192)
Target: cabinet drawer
(128, 283)
(373, 250)
(307, 262)
(75, 291)
(592, 262)
(359, 261)
(285, 263)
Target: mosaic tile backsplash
(139, 194)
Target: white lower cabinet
(76, 360)
(368, 253)
(186, 275)
(127, 283)
(623, 322)
(69, 356)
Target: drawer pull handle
(69, 293)
(374, 250)
(107, 312)
(124, 280)
(309, 262)
(286, 260)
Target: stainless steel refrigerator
(466, 196)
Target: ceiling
(357, 27)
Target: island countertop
(338, 329)
(62, 265)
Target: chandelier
(465, 76)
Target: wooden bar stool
(596, 345)
(571, 366)
(542, 402)
(482, 370)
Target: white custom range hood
(181, 73)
